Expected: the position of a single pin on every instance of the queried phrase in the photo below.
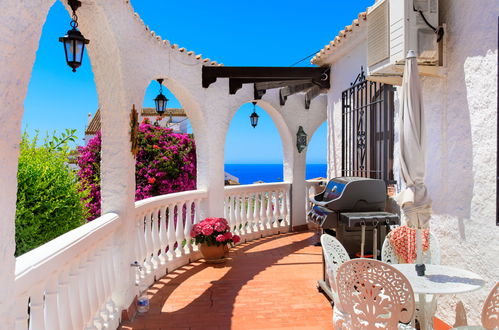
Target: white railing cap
(257, 187)
(38, 263)
(163, 200)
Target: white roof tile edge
(166, 43)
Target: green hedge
(48, 199)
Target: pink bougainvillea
(165, 163)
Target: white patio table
(438, 280)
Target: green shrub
(48, 199)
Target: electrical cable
(438, 31)
(303, 59)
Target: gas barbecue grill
(352, 209)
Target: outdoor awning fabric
(414, 200)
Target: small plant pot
(212, 254)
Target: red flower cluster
(214, 231)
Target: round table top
(440, 279)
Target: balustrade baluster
(249, 213)
(232, 216)
(99, 285)
(64, 301)
(141, 244)
(288, 209)
(275, 209)
(237, 214)
(268, 223)
(256, 211)
(278, 207)
(195, 220)
(36, 313)
(188, 227)
(171, 232)
(51, 309)
(75, 297)
(83, 280)
(148, 239)
(226, 207)
(243, 206)
(263, 211)
(155, 238)
(110, 276)
(93, 296)
(102, 284)
(163, 235)
(179, 232)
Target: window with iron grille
(367, 130)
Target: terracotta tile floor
(269, 283)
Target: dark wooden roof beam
(290, 90)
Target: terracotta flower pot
(212, 254)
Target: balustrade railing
(163, 241)
(68, 282)
(312, 187)
(258, 210)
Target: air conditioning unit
(396, 26)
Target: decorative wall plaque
(134, 130)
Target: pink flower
(236, 239)
(207, 230)
(220, 238)
(228, 235)
(196, 229)
(220, 227)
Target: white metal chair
(432, 256)
(490, 313)
(334, 255)
(375, 295)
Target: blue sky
(236, 33)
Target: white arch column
(21, 25)
(118, 90)
(293, 115)
(210, 144)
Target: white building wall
(461, 117)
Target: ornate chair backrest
(334, 255)
(490, 311)
(374, 294)
(432, 256)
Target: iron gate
(367, 130)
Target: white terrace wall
(125, 57)
(461, 117)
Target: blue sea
(249, 173)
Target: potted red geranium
(212, 235)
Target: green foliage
(48, 197)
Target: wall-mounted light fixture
(301, 139)
(74, 42)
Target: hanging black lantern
(254, 116)
(74, 42)
(301, 139)
(160, 100)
